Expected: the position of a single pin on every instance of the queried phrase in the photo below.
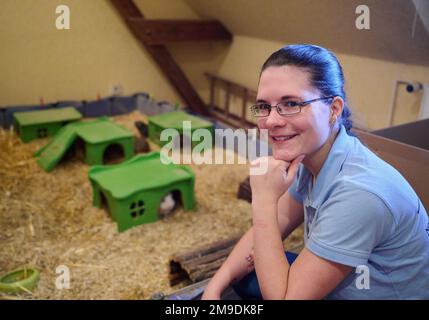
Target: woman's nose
(274, 119)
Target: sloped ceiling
(396, 32)
(422, 7)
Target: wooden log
(245, 191)
(195, 264)
(176, 278)
(204, 250)
(201, 263)
(203, 275)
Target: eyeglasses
(284, 108)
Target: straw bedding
(47, 220)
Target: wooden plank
(412, 162)
(414, 133)
(155, 32)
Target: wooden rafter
(153, 34)
(158, 32)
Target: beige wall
(99, 51)
(369, 82)
(96, 53)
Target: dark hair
(325, 71)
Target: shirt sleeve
(349, 225)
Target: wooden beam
(178, 79)
(129, 11)
(156, 32)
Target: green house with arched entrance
(100, 141)
(132, 191)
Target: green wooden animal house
(133, 191)
(98, 139)
(43, 123)
(174, 120)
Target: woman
(366, 231)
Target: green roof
(175, 120)
(97, 131)
(101, 131)
(47, 116)
(142, 172)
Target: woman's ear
(337, 106)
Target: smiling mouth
(283, 138)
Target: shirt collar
(330, 168)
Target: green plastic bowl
(19, 280)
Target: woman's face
(310, 128)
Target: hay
(47, 220)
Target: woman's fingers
(293, 168)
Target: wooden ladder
(221, 109)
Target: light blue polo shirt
(362, 213)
